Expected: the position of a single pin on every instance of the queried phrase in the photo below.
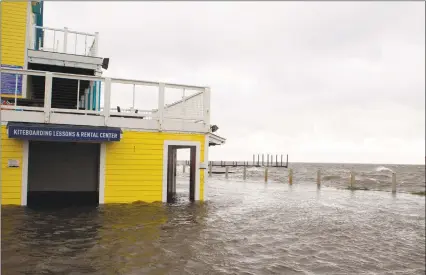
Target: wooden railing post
(47, 96)
(65, 39)
(206, 109)
(107, 99)
(161, 94)
(96, 44)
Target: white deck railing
(65, 41)
(141, 104)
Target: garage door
(63, 166)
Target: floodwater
(245, 227)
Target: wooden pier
(261, 161)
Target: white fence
(65, 41)
(99, 107)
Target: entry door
(171, 171)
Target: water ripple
(244, 228)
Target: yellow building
(66, 131)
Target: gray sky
(321, 81)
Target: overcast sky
(321, 81)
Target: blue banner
(63, 133)
(11, 82)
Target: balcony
(64, 47)
(71, 99)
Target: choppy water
(245, 228)
(410, 178)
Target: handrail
(63, 30)
(101, 78)
(102, 86)
(92, 50)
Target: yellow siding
(13, 32)
(11, 178)
(134, 166)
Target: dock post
(245, 173)
(394, 183)
(263, 163)
(183, 168)
(319, 177)
(210, 169)
(281, 160)
(352, 179)
(254, 159)
(276, 160)
(226, 171)
(266, 174)
(290, 176)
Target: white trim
(197, 165)
(61, 63)
(24, 182)
(64, 57)
(102, 162)
(27, 33)
(206, 164)
(217, 140)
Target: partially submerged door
(171, 172)
(60, 171)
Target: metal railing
(104, 97)
(65, 41)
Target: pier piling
(352, 182)
(210, 169)
(226, 171)
(394, 183)
(266, 174)
(319, 177)
(183, 168)
(245, 172)
(290, 176)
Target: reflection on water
(244, 228)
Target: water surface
(245, 228)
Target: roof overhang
(216, 140)
(64, 59)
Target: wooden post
(267, 160)
(258, 159)
(319, 177)
(352, 179)
(276, 160)
(254, 159)
(281, 160)
(394, 183)
(266, 174)
(226, 171)
(183, 168)
(263, 162)
(245, 172)
(290, 176)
